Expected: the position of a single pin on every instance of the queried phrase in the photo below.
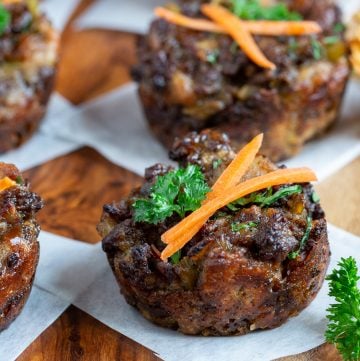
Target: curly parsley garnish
(266, 198)
(344, 316)
(253, 10)
(179, 191)
(5, 19)
(305, 238)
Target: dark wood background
(108, 56)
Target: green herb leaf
(179, 191)
(317, 49)
(253, 10)
(213, 56)
(266, 198)
(344, 316)
(220, 214)
(339, 28)
(293, 48)
(216, 163)
(5, 18)
(315, 197)
(330, 40)
(19, 180)
(237, 227)
(293, 255)
(175, 258)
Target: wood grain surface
(76, 186)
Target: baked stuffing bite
(19, 248)
(252, 264)
(28, 58)
(192, 79)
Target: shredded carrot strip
(185, 21)
(234, 26)
(237, 168)
(266, 27)
(8, 2)
(178, 229)
(260, 27)
(184, 231)
(6, 183)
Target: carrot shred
(9, 2)
(236, 29)
(237, 168)
(284, 173)
(290, 28)
(184, 231)
(6, 183)
(187, 22)
(259, 27)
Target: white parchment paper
(67, 267)
(59, 11)
(135, 16)
(103, 301)
(40, 311)
(115, 126)
(126, 15)
(44, 147)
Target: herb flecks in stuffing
(238, 227)
(178, 191)
(344, 316)
(317, 48)
(315, 197)
(266, 198)
(304, 239)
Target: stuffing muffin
(191, 80)
(28, 58)
(19, 248)
(252, 265)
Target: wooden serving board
(76, 186)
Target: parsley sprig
(253, 10)
(179, 191)
(5, 19)
(266, 198)
(344, 316)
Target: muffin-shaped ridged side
(228, 281)
(28, 58)
(19, 248)
(191, 80)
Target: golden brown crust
(191, 80)
(227, 282)
(28, 58)
(14, 306)
(19, 248)
(25, 120)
